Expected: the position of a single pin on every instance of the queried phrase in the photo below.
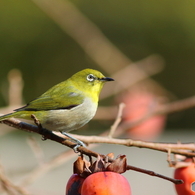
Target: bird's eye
(90, 77)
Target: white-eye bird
(68, 105)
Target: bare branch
(152, 173)
(176, 148)
(186, 149)
(109, 113)
(9, 187)
(94, 42)
(96, 139)
(15, 87)
(117, 121)
(37, 151)
(45, 167)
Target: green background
(33, 43)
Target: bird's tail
(18, 114)
(7, 116)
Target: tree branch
(9, 187)
(173, 148)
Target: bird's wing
(54, 102)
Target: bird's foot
(78, 142)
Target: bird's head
(90, 81)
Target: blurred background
(44, 42)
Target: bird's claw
(78, 142)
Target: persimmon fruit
(138, 106)
(74, 185)
(105, 183)
(187, 174)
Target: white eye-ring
(90, 77)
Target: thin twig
(117, 121)
(15, 87)
(49, 165)
(9, 187)
(109, 113)
(93, 41)
(175, 148)
(95, 139)
(186, 149)
(45, 167)
(37, 151)
(182, 149)
(152, 173)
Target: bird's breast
(67, 120)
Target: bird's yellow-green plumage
(68, 105)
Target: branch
(9, 187)
(152, 173)
(94, 42)
(15, 87)
(47, 134)
(43, 168)
(174, 148)
(176, 106)
(109, 113)
(117, 121)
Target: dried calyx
(84, 168)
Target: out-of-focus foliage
(33, 43)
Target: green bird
(66, 106)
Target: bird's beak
(106, 79)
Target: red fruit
(74, 185)
(187, 174)
(105, 183)
(139, 104)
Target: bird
(66, 106)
